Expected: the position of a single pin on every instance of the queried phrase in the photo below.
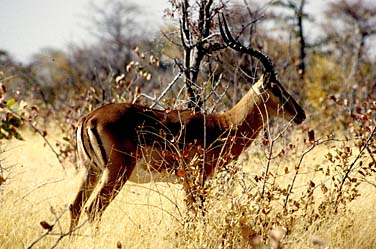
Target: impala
(121, 142)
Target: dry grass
(38, 189)
(351, 231)
(153, 215)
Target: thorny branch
(314, 144)
(69, 233)
(49, 228)
(157, 100)
(297, 168)
(365, 146)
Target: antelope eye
(275, 90)
(278, 93)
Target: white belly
(144, 173)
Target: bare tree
(195, 41)
(52, 73)
(200, 44)
(299, 14)
(358, 23)
(350, 23)
(296, 22)
(115, 27)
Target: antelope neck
(250, 113)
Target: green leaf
(15, 121)
(11, 102)
(18, 136)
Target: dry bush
(283, 189)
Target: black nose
(299, 118)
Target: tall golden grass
(37, 189)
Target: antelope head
(271, 97)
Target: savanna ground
(38, 188)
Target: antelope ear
(267, 80)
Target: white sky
(26, 26)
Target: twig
(40, 186)
(161, 194)
(61, 236)
(150, 98)
(171, 214)
(47, 232)
(297, 168)
(69, 233)
(168, 88)
(269, 159)
(348, 171)
(370, 154)
(157, 101)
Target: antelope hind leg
(115, 176)
(88, 183)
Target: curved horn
(236, 45)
